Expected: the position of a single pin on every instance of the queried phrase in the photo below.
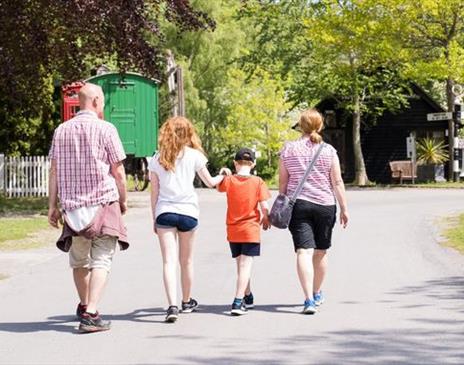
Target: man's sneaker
(172, 314)
(93, 323)
(80, 310)
(309, 307)
(190, 306)
(318, 298)
(248, 300)
(238, 308)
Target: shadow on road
(352, 347)
(53, 325)
(224, 310)
(449, 288)
(69, 323)
(429, 331)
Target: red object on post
(70, 100)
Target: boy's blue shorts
(245, 248)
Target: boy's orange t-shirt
(243, 196)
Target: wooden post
(180, 92)
(47, 169)
(171, 73)
(2, 172)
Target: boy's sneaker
(190, 306)
(309, 307)
(248, 300)
(80, 310)
(318, 298)
(172, 314)
(93, 323)
(238, 308)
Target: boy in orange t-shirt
(244, 193)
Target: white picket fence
(24, 176)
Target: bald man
(87, 178)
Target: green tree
(206, 58)
(230, 109)
(432, 33)
(45, 40)
(343, 50)
(257, 116)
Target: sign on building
(439, 116)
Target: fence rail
(25, 176)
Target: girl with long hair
(174, 205)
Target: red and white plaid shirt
(84, 148)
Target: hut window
(330, 119)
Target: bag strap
(308, 170)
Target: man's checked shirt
(84, 148)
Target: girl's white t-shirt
(176, 191)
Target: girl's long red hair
(175, 134)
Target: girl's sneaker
(172, 314)
(190, 306)
(318, 298)
(309, 307)
(238, 308)
(248, 300)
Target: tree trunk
(450, 99)
(361, 178)
(268, 152)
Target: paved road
(393, 296)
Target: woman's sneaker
(238, 308)
(172, 314)
(318, 298)
(93, 323)
(190, 306)
(248, 300)
(309, 307)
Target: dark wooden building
(384, 139)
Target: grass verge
(438, 185)
(454, 234)
(12, 206)
(20, 233)
(429, 185)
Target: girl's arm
(154, 192)
(283, 177)
(206, 177)
(339, 190)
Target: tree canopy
(46, 40)
(249, 66)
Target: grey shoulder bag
(281, 211)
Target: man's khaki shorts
(92, 254)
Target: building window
(330, 119)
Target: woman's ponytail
(315, 137)
(311, 124)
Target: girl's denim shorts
(183, 223)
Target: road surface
(394, 296)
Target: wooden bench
(403, 170)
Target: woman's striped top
(296, 156)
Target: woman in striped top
(314, 213)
